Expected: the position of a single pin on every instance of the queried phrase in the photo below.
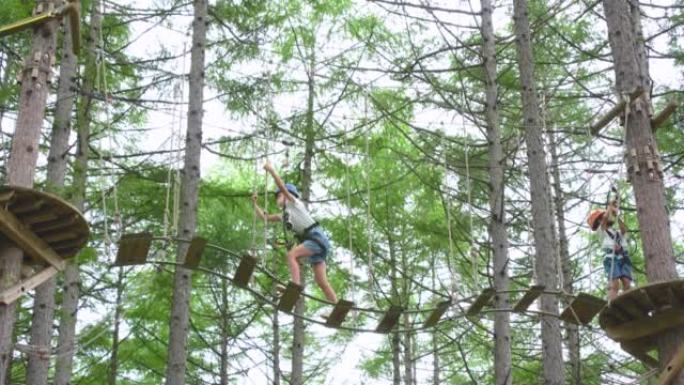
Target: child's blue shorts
(617, 266)
(318, 243)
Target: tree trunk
(114, 355)
(22, 162)
(44, 302)
(180, 309)
(225, 334)
(396, 358)
(497, 223)
(435, 360)
(408, 352)
(67, 325)
(299, 332)
(542, 214)
(276, 348)
(631, 72)
(571, 329)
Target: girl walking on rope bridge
(314, 244)
(616, 262)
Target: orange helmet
(594, 218)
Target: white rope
(350, 230)
(449, 231)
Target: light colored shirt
(297, 217)
(612, 238)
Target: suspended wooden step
(530, 296)
(244, 271)
(194, 253)
(133, 249)
(481, 301)
(289, 297)
(582, 309)
(338, 314)
(389, 320)
(437, 314)
(638, 317)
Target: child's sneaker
(279, 290)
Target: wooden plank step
(15, 291)
(583, 309)
(289, 298)
(389, 320)
(437, 314)
(34, 218)
(244, 271)
(133, 249)
(26, 240)
(194, 253)
(68, 244)
(338, 314)
(59, 223)
(532, 294)
(481, 301)
(58, 236)
(26, 206)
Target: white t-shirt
(612, 238)
(296, 216)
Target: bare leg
(293, 255)
(614, 288)
(626, 283)
(322, 281)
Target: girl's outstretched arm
(279, 182)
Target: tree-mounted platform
(637, 317)
(47, 228)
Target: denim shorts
(318, 243)
(617, 266)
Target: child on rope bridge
(616, 262)
(314, 244)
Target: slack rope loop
(416, 323)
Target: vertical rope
(350, 215)
(449, 230)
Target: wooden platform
(637, 317)
(582, 309)
(45, 226)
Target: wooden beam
(54, 225)
(582, 309)
(133, 249)
(244, 271)
(389, 320)
(15, 291)
(194, 253)
(437, 314)
(26, 240)
(647, 326)
(640, 354)
(532, 294)
(663, 115)
(289, 298)
(338, 314)
(615, 111)
(481, 301)
(673, 367)
(6, 196)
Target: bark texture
(542, 211)
(180, 308)
(631, 72)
